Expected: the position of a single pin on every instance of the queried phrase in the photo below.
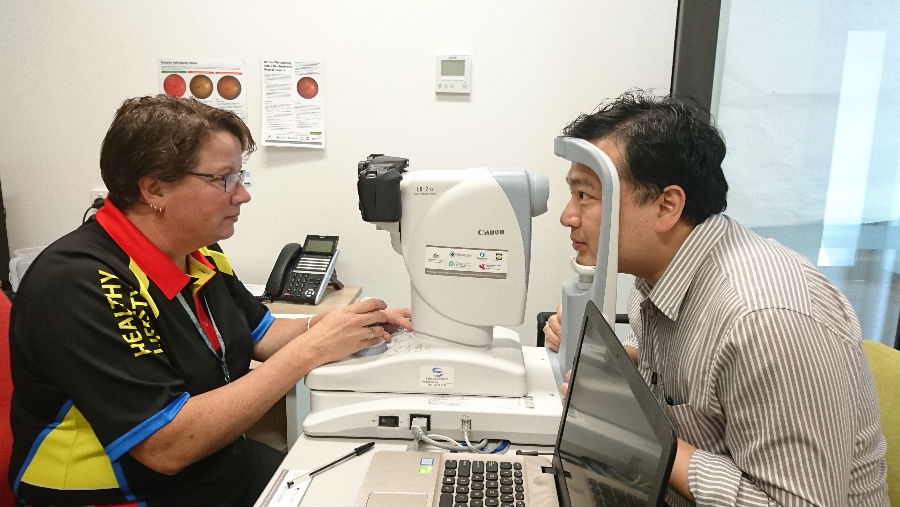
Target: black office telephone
(302, 273)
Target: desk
(340, 485)
(282, 424)
(332, 300)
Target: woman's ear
(152, 192)
(671, 205)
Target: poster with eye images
(293, 110)
(218, 83)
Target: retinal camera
(379, 187)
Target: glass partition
(806, 96)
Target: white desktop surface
(339, 485)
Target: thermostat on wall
(453, 74)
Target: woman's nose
(240, 193)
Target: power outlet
(98, 193)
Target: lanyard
(220, 354)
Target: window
(807, 99)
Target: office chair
(6, 494)
(19, 262)
(885, 364)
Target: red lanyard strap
(219, 354)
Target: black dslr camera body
(378, 187)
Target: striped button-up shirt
(759, 364)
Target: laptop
(615, 446)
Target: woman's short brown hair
(159, 136)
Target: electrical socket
(98, 193)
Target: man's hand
(678, 479)
(553, 330)
(564, 388)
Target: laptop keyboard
(604, 494)
(474, 483)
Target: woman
(132, 337)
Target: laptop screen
(615, 445)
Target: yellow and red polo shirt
(104, 353)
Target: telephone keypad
(304, 280)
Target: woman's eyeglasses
(229, 180)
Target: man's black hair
(665, 141)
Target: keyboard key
(446, 500)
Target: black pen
(355, 452)
(302, 478)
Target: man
(755, 356)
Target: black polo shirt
(104, 353)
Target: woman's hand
(349, 329)
(396, 319)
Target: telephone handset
(302, 273)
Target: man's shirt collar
(670, 290)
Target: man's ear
(671, 205)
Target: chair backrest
(19, 262)
(885, 364)
(6, 494)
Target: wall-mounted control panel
(453, 74)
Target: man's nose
(568, 217)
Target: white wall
(67, 66)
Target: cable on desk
(449, 444)
(440, 441)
